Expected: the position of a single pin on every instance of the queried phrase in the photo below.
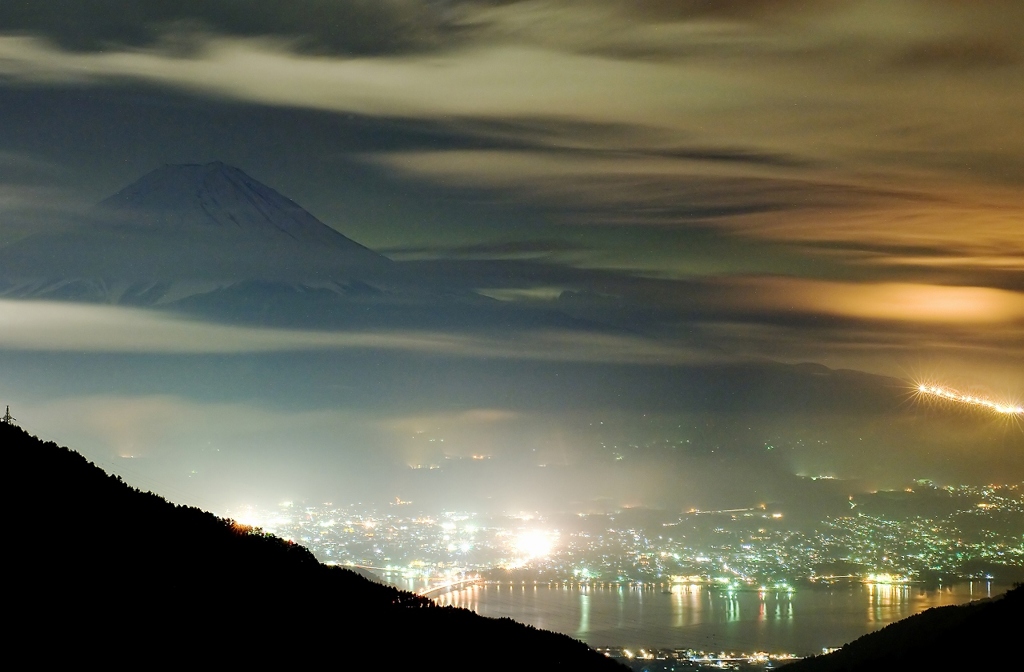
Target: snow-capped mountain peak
(185, 229)
(216, 195)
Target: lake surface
(702, 618)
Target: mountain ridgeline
(123, 574)
(974, 636)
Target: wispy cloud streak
(52, 326)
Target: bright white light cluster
(969, 399)
(533, 544)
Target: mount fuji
(210, 239)
(183, 198)
(184, 231)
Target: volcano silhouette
(187, 197)
(184, 230)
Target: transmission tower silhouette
(7, 419)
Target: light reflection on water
(702, 617)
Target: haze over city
(592, 255)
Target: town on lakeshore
(927, 534)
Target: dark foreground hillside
(982, 635)
(100, 570)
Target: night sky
(638, 213)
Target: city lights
(534, 544)
(949, 394)
(727, 550)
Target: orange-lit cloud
(885, 301)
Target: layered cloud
(80, 328)
(857, 162)
(335, 26)
(760, 118)
(29, 198)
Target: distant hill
(975, 636)
(98, 569)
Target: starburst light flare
(950, 394)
